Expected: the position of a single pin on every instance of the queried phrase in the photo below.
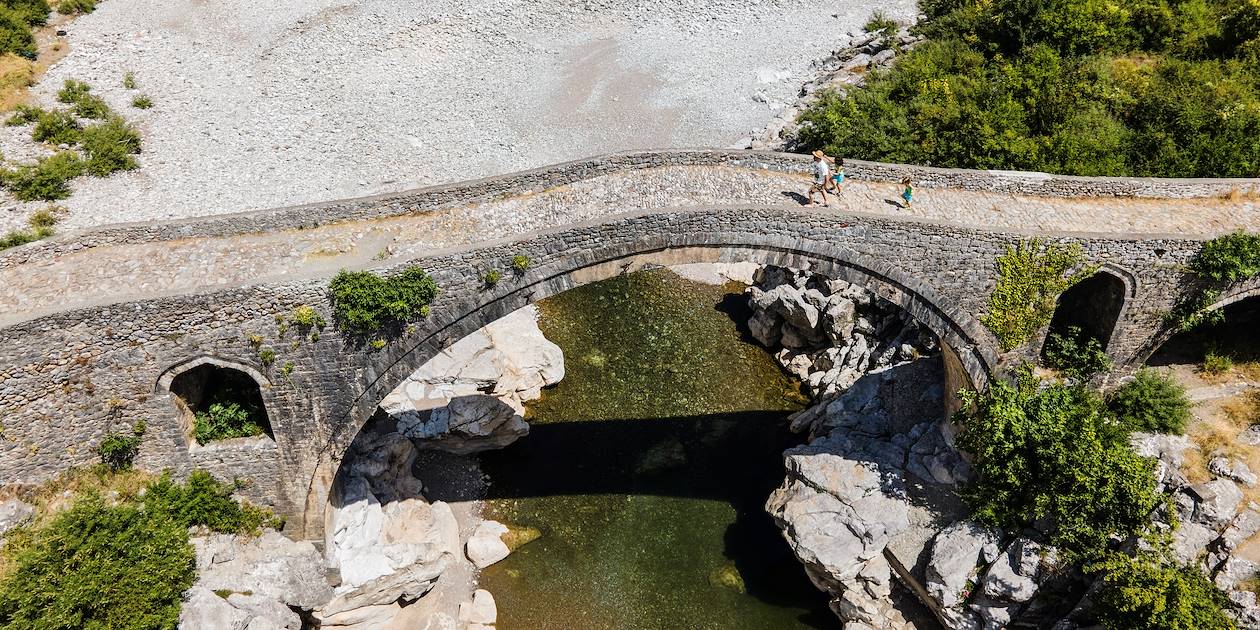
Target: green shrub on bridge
(1053, 451)
(364, 302)
(1031, 275)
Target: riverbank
(301, 102)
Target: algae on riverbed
(647, 469)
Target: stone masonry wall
(456, 194)
(67, 379)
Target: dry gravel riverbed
(294, 101)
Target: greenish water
(647, 469)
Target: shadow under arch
(1096, 304)
(973, 345)
(1240, 291)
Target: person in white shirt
(822, 173)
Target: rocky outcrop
(14, 513)
(829, 332)
(843, 70)
(856, 492)
(471, 397)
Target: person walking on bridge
(822, 175)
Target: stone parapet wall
(513, 184)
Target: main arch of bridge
(971, 357)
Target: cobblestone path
(117, 273)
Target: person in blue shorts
(837, 177)
(908, 193)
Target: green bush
(226, 420)
(880, 23)
(76, 7)
(41, 223)
(57, 127)
(1076, 353)
(520, 264)
(46, 180)
(267, 356)
(109, 147)
(24, 115)
(91, 106)
(1151, 402)
(492, 277)
(72, 90)
(1216, 364)
(142, 102)
(98, 566)
(1031, 275)
(118, 450)
(204, 502)
(1054, 452)
(364, 302)
(32, 12)
(307, 317)
(1145, 593)
(15, 34)
(1084, 87)
(1228, 258)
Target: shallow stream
(647, 468)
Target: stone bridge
(102, 328)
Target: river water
(647, 468)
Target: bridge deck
(116, 273)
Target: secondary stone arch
(1243, 290)
(973, 346)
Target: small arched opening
(218, 402)
(1088, 311)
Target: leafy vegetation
(1076, 353)
(1132, 87)
(109, 147)
(1031, 275)
(492, 277)
(41, 226)
(364, 302)
(24, 115)
(224, 420)
(1148, 593)
(520, 264)
(76, 7)
(1054, 452)
(118, 450)
(1152, 402)
(15, 34)
(56, 127)
(119, 564)
(47, 179)
(1218, 262)
(142, 102)
(129, 80)
(1216, 364)
(307, 317)
(267, 356)
(32, 12)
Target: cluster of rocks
(829, 332)
(393, 558)
(841, 71)
(472, 396)
(1216, 525)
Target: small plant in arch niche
(492, 277)
(223, 420)
(520, 264)
(1076, 353)
(267, 356)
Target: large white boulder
(271, 565)
(485, 546)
